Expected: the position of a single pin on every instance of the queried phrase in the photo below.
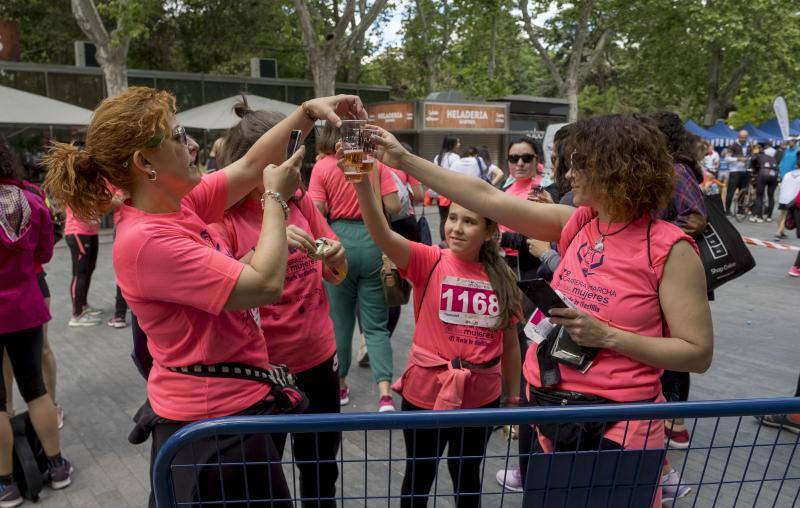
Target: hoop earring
(152, 176)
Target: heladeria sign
(465, 116)
(392, 116)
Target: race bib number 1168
(468, 302)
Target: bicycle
(745, 200)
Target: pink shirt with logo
(328, 186)
(176, 275)
(297, 328)
(75, 226)
(617, 286)
(452, 322)
(520, 189)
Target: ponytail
(502, 279)
(75, 180)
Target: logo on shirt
(589, 259)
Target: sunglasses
(526, 158)
(178, 135)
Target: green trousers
(361, 292)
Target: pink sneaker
(385, 403)
(679, 439)
(794, 271)
(344, 396)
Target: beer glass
(352, 138)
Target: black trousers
(675, 386)
(797, 391)
(226, 477)
(765, 183)
(424, 447)
(84, 260)
(797, 264)
(120, 305)
(25, 352)
(315, 453)
(736, 180)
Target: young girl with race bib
(465, 343)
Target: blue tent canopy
(772, 128)
(695, 129)
(758, 135)
(724, 134)
(795, 124)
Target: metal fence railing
(730, 461)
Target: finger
(297, 157)
(333, 118)
(565, 313)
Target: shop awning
(219, 115)
(772, 128)
(23, 108)
(759, 135)
(725, 135)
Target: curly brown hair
(625, 157)
(135, 119)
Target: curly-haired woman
(193, 300)
(637, 283)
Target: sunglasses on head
(178, 135)
(526, 158)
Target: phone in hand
(542, 295)
(295, 141)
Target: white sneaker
(768, 219)
(92, 311)
(759, 220)
(510, 479)
(670, 490)
(84, 320)
(752, 219)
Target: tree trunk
(571, 94)
(324, 73)
(712, 87)
(433, 74)
(113, 61)
(492, 48)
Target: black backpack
(30, 461)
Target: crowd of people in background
(264, 271)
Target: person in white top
(446, 157)
(790, 187)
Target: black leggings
(84, 259)
(120, 305)
(424, 447)
(262, 478)
(736, 180)
(768, 184)
(318, 450)
(25, 352)
(797, 264)
(797, 390)
(675, 386)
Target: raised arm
(392, 244)
(534, 220)
(245, 174)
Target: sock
(55, 460)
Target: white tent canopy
(219, 115)
(18, 107)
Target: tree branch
(85, 13)
(736, 80)
(534, 39)
(364, 23)
(576, 54)
(596, 54)
(309, 35)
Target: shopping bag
(723, 251)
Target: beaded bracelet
(277, 197)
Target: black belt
(345, 219)
(458, 363)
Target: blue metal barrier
(730, 461)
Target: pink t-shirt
(520, 189)
(617, 286)
(75, 226)
(176, 275)
(459, 293)
(297, 328)
(329, 186)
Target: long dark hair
(502, 279)
(448, 145)
(243, 135)
(681, 144)
(561, 164)
(9, 163)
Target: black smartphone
(542, 295)
(295, 140)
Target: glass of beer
(352, 137)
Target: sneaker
(88, 309)
(794, 271)
(753, 219)
(676, 439)
(60, 413)
(779, 422)
(344, 396)
(781, 236)
(84, 320)
(510, 479)
(117, 322)
(385, 403)
(768, 219)
(59, 476)
(9, 495)
(759, 220)
(670, 490)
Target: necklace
(598, 245)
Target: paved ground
(755, 318)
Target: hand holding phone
(295, 141)
(542, 295)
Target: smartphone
(295, 140)
(542, 295)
